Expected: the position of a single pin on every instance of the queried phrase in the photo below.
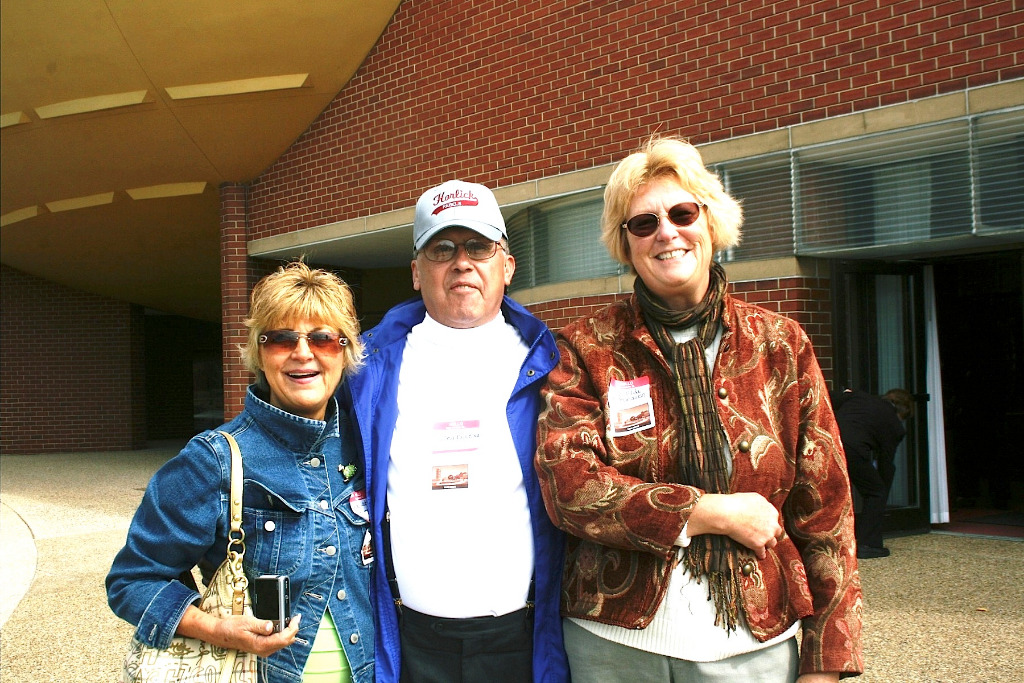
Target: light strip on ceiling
(19, 215)
(13, 119)
(167, 190)
(247, 85)
(80, 202)
(89, 104)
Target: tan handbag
(191, 659)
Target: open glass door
(880, 345)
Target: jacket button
(723, 392)
(270, 526)
(324, 505)
(330, 550)
(342, 595)
(530, 373)
(354, 638)
(747, 568)
(314, 462)
(744, 446)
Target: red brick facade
(508, 92)
(558, 314)
(71, 369)
(238, 275)
(502, 92)
(235, 283)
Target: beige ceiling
(121, 118)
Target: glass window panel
(871, 196)
(764, 188)
(559, 241)
(890, 189)
(1000, 164)
(892, 323)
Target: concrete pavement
(941, 608)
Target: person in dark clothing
(871, 428)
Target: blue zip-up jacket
(373, 395)
(299, 519)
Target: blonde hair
(673, 157)
(296, 292)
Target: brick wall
(804, 299)
(503, 91)
(558, 314)
(238, 275)
(71, 369)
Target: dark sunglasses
(681, 215)
(287, 340)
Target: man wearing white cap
(446, 410)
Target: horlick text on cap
(448, 200)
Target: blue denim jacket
(298, 518)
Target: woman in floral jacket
(689, 448)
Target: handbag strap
(236, 536)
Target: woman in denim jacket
(304, 511)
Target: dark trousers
(874, 492)
(476, 650)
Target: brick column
(235, 284)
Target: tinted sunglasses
(441, 251)
(287, 340)
(681, 215)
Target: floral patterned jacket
(614, 492)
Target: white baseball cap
(457, 203)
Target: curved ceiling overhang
(120, 120)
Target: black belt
(463, 627)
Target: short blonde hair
(294, 293)
(667, 156)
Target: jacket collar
(297, 434)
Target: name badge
(630, 408)
(358, 503)
(454, 441)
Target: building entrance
(894, 323)
(980, 315)
(880, 338)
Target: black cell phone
(271, 599)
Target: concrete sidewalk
(941, 608)
(64, 518)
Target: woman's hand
(246, 633)
(747, 518)
(821, 677)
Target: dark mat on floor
(1004, 518)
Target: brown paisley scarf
(702, 457)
